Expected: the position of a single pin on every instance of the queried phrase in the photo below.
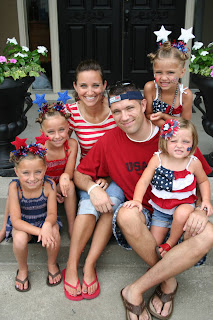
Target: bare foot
(22, 275)
(134, 298)
(166, 287)
(53, 269)
(2, 234)
(89, 277)
(71, 277)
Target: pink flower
(13, 60)
(2, 59)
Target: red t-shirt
(116, 156)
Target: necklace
(173, 103)
(147, 139)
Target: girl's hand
(46, 236)
(60, 198)
(206, 205)
(156, 116)
(132, 204)
(64, 183)
(102, 183)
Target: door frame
(54, 40)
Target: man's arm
(98, 196)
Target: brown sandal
(22, 282)
(135, 309)
(53, 277)
(164, 298)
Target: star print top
(172, 188)
(160, 106)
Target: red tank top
(55, 168)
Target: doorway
(118, 34)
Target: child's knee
(20, 239)
(182, 213)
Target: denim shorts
(117, 232)
(85, 206)
(122, 241)
(161, 219)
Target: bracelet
(92, 187)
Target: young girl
(173, 173)
(166, 97)
(61, 155)
(33, 211)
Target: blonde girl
(173, 173)
(61, 155)
(32, 212)
(166, 97)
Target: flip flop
(165, 247)
(53, 277)
(164, 298)
(97, 291)
(137, 310)
(67, 295)
(22, 282)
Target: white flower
(25, 48)
(19, 54)
(13, 40)
(192, 57)
(42, 49)
(166, 127)
(210, 44)
(204, 53)
(197, 45)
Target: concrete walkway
(116, 268)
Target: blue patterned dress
(33, 210)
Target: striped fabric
(87, 133)
(172, 188)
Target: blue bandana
(131, 95)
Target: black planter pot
(13, 96)
(205, 85)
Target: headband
(169, 129)
(22, 149)
(130, 95)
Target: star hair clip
(169, 129)
(59, 106)
(22, 149)
(186, 35)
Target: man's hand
(196, 222)
(100, 200)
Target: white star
(186, 35)
(162, 34)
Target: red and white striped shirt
(86, 132)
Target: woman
(91, 118)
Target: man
(123, 154)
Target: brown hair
(184, 124)
(165, 51)
(88, 65)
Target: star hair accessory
(58, 106)
(22, 149)
(186, 35)
(169, 129)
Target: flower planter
(205, 85)
(13, 96)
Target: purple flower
(2, 59)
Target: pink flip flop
(67, 295)
(97, 291)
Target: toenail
(17, 286)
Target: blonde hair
(184, 124)
(29, 156)
(165, 51)
(51, 112)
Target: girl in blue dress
(33, 211)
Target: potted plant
(18, 68)
(201, 68)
